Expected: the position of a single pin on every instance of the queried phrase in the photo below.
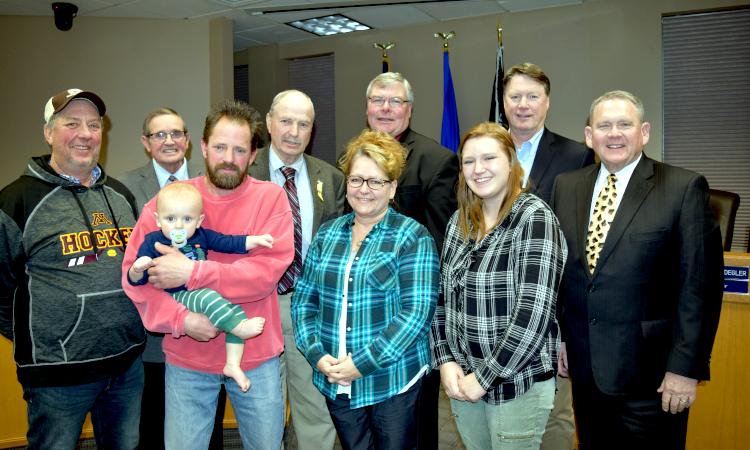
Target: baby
(179, 214)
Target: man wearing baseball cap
(77, 337)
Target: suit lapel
(314, 173)
(545, 152)
(584, 193)
(259, 168)
(639, 186)
(407, 141)
(150, 185)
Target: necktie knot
(288, 172)
(171, 179)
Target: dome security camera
(64, 14)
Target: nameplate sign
(736, 279)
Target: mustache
(225, 165)
(292, 140)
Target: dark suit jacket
(556, 154)
(426, 189)
(652, 304)
(142, 182)
(144, 185)
(334, 187)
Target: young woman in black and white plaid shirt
(495, 337)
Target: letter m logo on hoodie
(99, 218)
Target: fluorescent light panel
(328, 25)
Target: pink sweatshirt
(256, 208)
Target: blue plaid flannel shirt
(392, 295)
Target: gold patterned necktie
(604, 213)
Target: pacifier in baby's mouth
(179, 238)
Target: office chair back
(724, 205)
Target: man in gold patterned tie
(641, 293)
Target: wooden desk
(719, 418)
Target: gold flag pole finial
(445, 37)
(499, 33)
(384, 47)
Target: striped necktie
(287, 281)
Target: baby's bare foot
(235, 373)
(249, 328)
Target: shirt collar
(162, 174)
(384, 223)
(95, 174)
(623, 176)
(276, 162)
(528, 149)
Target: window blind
(706, 88)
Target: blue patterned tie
(287, 281)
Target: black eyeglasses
(177, 135)
(375, 184)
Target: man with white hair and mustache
(319, 191)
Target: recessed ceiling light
(324, 26)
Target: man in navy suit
(643, 285)
(544, 155)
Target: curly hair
(387, 153)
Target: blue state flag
(449, 137)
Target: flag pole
(385, 47)
(449, 136)
(497, 112)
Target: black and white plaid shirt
(496, 313)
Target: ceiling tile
(241, 43)
(117, 2)
(302, 15)
(13, 10)
(279, 3)
(45, 6)
(459, 10)
(276, 34)
(182, 9)
(528, 5)
(122, 11)
(41, 6)
(241, 20)
(387, 16)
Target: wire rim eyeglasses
(161, 136)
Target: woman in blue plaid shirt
(364, 302)
(495, 336)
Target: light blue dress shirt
(162, 174)
(527, 153)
